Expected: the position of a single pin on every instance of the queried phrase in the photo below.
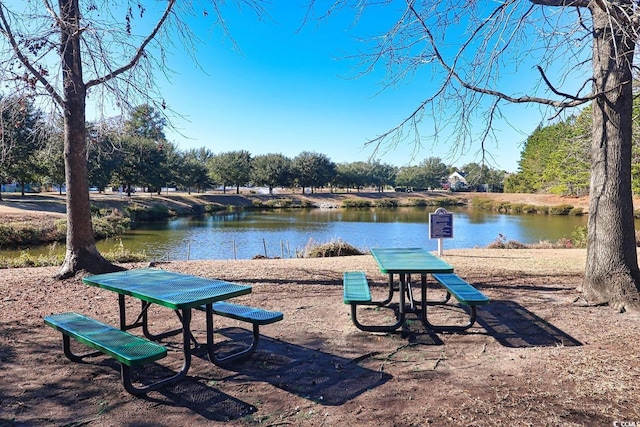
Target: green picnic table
(404, 262)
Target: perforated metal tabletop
(409, 260)
(167, 288)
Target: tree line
(556, 158)
(135, 153)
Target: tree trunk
(81, 253)
(612, 273)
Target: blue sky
(288, 91)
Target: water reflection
(243, 235)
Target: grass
(118, 254)
(389, 202)
(507, 207)
(578, 239)
(17, 234)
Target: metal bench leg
(125, 370)
(144, 322)
(424, 295)
(125, 373)
(381, 328)
(450, 328)
(375, 328)
(389, 296)
(240, 354)
(66, 347)
(412, 303)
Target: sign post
(440, 227)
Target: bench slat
(122, 346)
(356, 287)
(464, 292)
(257, 316)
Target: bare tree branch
(522, 99)
(6, 30)
(134, 60)
(561, 3)
(557, 92)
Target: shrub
(503, 206)
(501, 242)
(279, 203)
(576, 212)
(579, 237)
(514, 244)
(565, 243)
(482, 203)
(417, 202)
(214, 207)
(27, 260)
(517, 207)
(446, 201)
(543, 244)
(386, 203)
(17, 234)
(110, 225)
(356, 203)
(139, 212)
(120, 254)
(560, 210)
(331, 249)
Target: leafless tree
(583, 53)
(105, 49)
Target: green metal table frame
(177, 291)
(404, 262)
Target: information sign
(441, 224)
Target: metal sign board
(441, 224)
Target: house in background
(457, 182)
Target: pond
(282, 233)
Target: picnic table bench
(357, 292)
(128, 349)
(243, 313)
(465, 293)
(356, 288)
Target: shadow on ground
(212, 404)
(311, 374)
(512, 325)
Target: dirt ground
(537, 356)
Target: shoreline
(53, 205)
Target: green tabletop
(167, 288)
(409, 260)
